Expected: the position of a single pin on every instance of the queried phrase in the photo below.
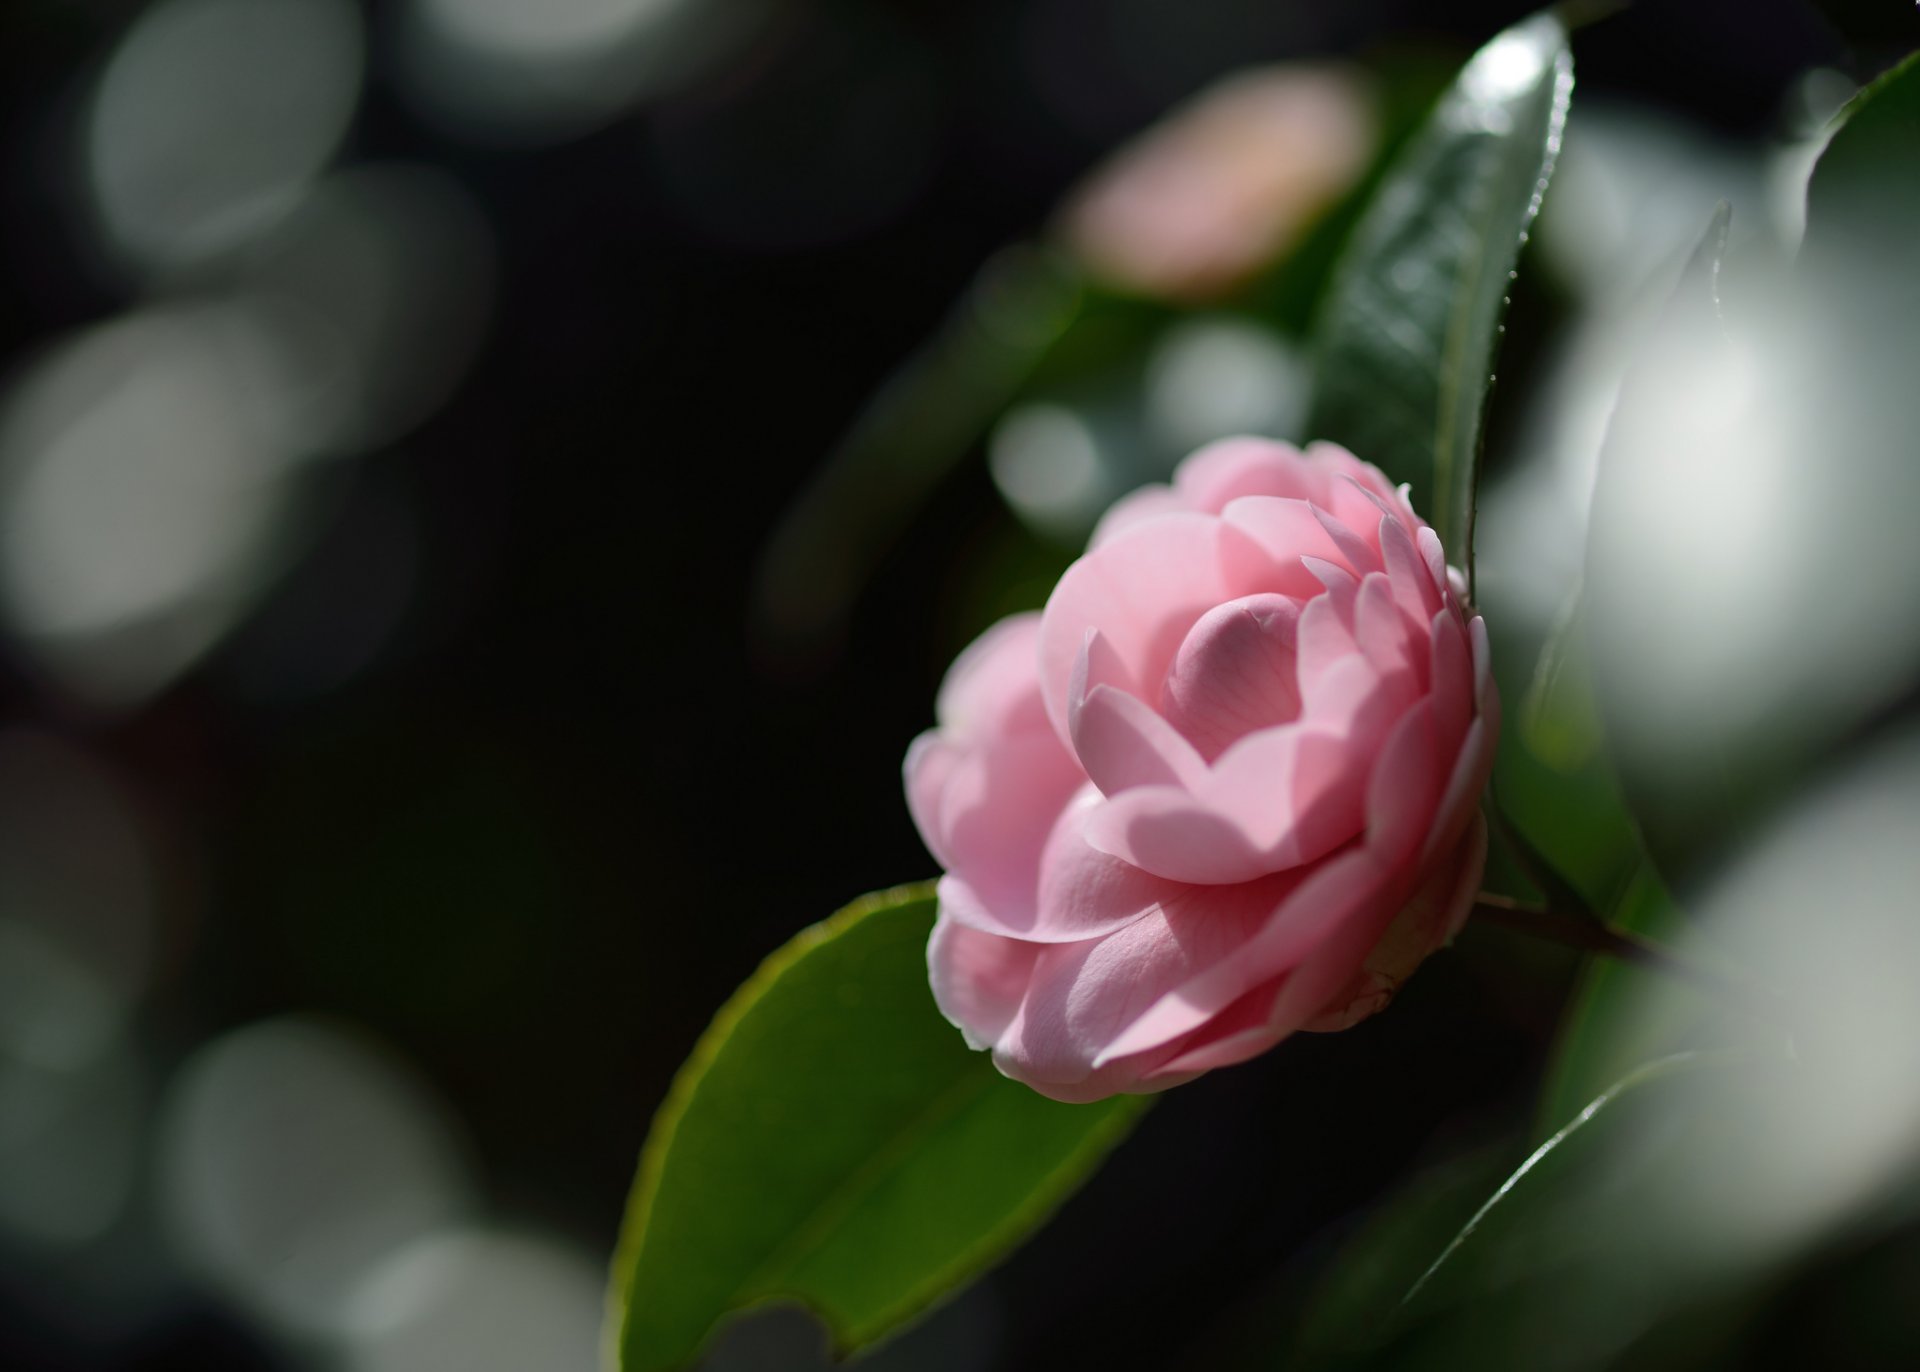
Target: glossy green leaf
(1531, 1184)
(1865, 189)
(832, 1141)
(1409, 331)
(1496, 1255)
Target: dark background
(558, 809)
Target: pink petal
(1080, 892)
(1083, 996)
(1470, 859)
(1084, 893)
(1321, 979)
(1435, 556)
(1171, 833)
(1380, 630)
(1355, 551)
(1224, 471)
(1296, 792)
(1425, 924)
(1323, 900)
(1234, 673)
(1137, 1076)
(992, 687)
(1239, 1032)
(1450, 679)
(1275, 799)
(998, 806)
(1283, 532)
(930, 764)
(1403, 793)
(1359, 509)
(1149, 502)
(1141, 592)
(1419, 600)
(978, 979)
(1342, 584)
(1341, 462)
(1123, 744)
(1464, 786)
(1324, 639)
(1482, 660)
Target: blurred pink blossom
(1225, 184)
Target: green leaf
(1494, 1260)
(831, 1140)
(1558, 717)
(1537, 1188)
(1673, 811)
(1408, 334)
(1866, 185)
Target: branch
(1594, 936)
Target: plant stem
(1595, 936)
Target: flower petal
(1234, 673)
(1085, 995)
(1322, 902)
(978, 979)
(1172, 833)
(991, 688)
(1085, 893)
(1224, 471)
(930, 764)
(1284, 531)
(1426, 923)
(1404, 788)
(998, 806)
(1121, 744)
(1141, 592)
(1137, 507)
(1412, 587)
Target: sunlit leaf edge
(1657, 1070)
(1050, 1192)
(686, 1082)
(1451, 511)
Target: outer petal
(1369, 480)
(930, 764)
(1405, 786)
(996, 811)
(1082, 893)
(1426, 924)
(1082, 996)
(1320, 903)
(1224, 471)
(1284, 532)
(978, 979)
(1149, 502)
(990, 688)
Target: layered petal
(1222, 790)
(1137, 595)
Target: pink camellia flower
(1223, 788)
